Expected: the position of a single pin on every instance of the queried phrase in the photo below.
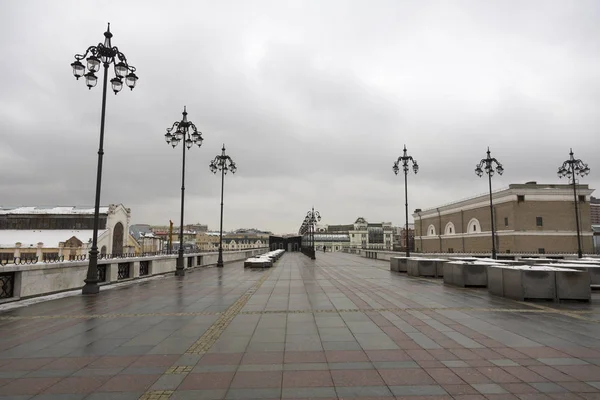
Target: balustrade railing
(7, 285)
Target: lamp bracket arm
(175, 125)
(92, 49)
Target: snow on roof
(70, 210)
(50, 237)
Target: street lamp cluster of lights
(405, 160)
(490, 165)
(223, 163)
(307, 230)
(104, 55)
(571, 168)
(487, 164)
(187, 132)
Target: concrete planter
(432, 267)
(399, 264)
(465, 274)
(543, 283)
(592, 269)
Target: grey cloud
(313, 100)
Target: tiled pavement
(338, 327)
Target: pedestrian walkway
(340, 326)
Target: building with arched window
(51, 232)
(528, 218)
(359, 235)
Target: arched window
(449, 230)
(117, 245)
(474, 226)
(431, 230)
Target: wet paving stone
(340, 326)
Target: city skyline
(313, 100)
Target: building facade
(595, 220)
(51, 232)
(528, 218)
(359, 235)
(402, 238)
(241, 239)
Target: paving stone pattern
(337, 327)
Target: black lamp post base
(180, 272)
(220, 259)
(90, 288)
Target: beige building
(528, 218)
(53, 232)
(360, 235)
(239, 240)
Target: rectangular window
(582, 198)
(508, 251)
(450, 250)
(505, 221)
(539, 221)
(520, 198)
(541, 250)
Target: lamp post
(487, 164)
(304, 232)
(312, 217)
(571, 168)
(222, 163)
(404, 160)
(175, 134)
(105, 55)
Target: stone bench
(466, 273)
(399, 264)
(258, 262)
(264, 260)
(538, 283)
(432, 267)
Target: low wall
(387, 254)
(18, 281)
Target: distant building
(595, 220)
(240, 239)
(594, 211)
(360, 235)
(286, 242)
(51, 232)
(198, 228)
(402, 239)
(528, 218)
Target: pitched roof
(52, 210)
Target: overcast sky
(313, 100)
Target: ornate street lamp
(404, 161)
(103, 54)
(312, 217)
(175, 134)
(304, 231)
(487, 164)
(222, 163)
(571, 168)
